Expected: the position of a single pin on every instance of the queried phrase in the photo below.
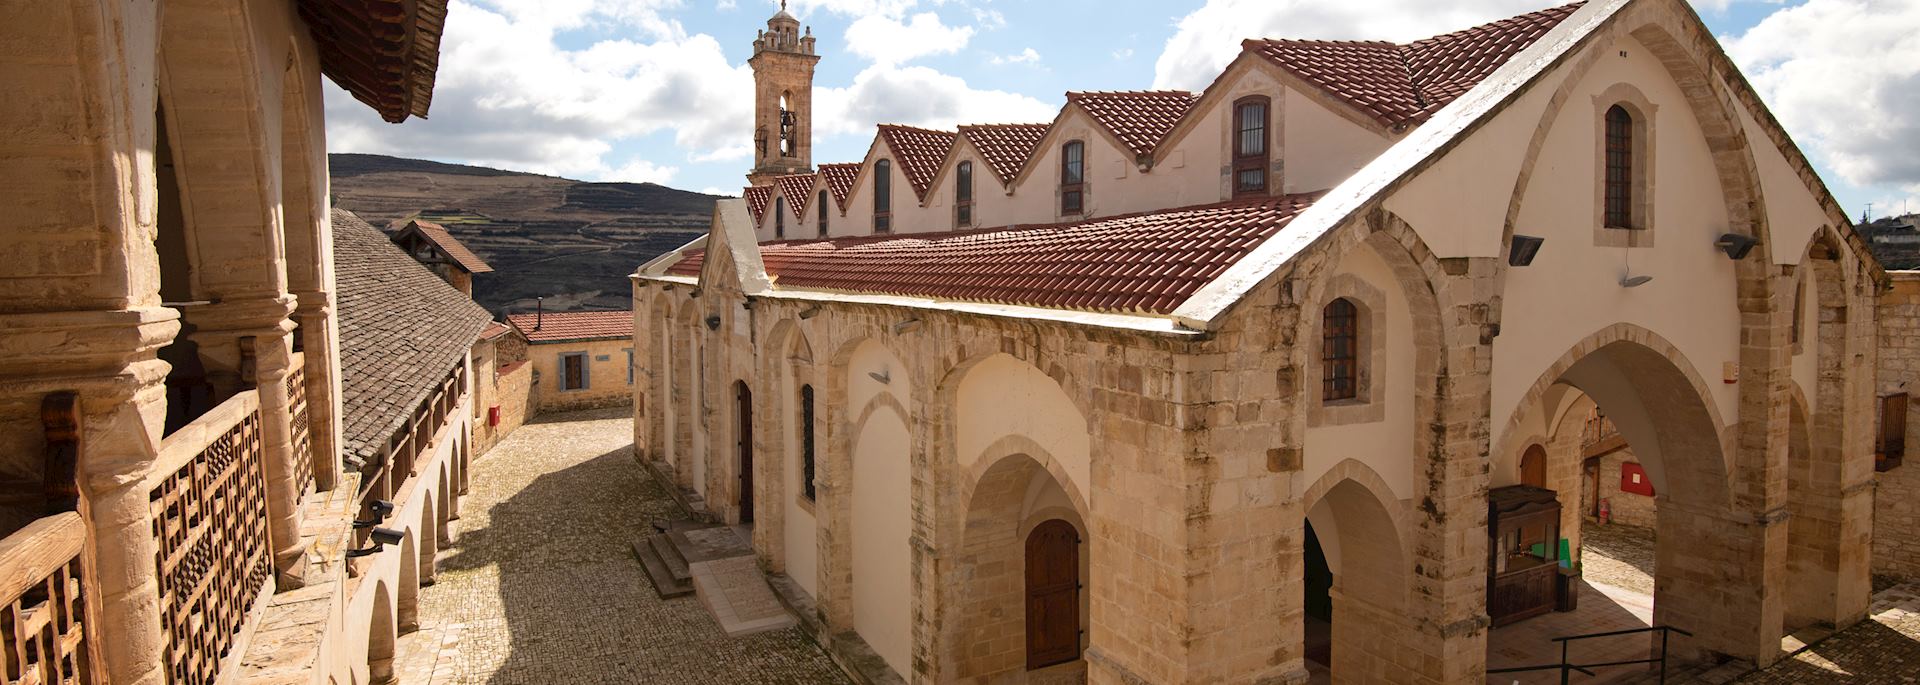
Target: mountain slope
(572, 242)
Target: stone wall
(1897, 507)
(1626, 507)
(610, 384)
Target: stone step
(664, 582)
(669, 552)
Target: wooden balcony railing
(302, 426)
(408, 443)
(209, 504)
(41, 603)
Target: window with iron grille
(806, 442)
(882, 196)
(821, 210)
(963, 195)
(780, 217)
(1619, 192)
(1339, 351)
(1073, 178)
(1250, 150)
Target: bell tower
(783, 61)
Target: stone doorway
(743, 409)
(1359, 590)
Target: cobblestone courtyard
(542, 586)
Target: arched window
(1250, 150)
(788, 125)
(806, 442)
(821, 211)
(780, 217)
(963, 195)
(883, 196)
(1339, 351)
(1619, 180)
(1073, 177)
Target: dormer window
(820, 208)
(1250, 149)
(883, 196)
(1073, 178)
(963, 195)
(779, 217)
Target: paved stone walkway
(542, 586)
(1883, 649)
(1619, 555)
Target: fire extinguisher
(1606, 510)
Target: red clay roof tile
(560, 326)
(1402, 84)
(758, 197)
(919, 153)
(798, 189)
(839, 178)
(1005, 147)
(1141, 263)
(1139, 119)
(448, 245)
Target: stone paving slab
(736, 593)
(542, 586)
(1883, 649)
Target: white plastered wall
(1003, 396)
(1386, 446)
(801, 544)
(882, 517)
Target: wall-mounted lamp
(1736, 245)
(713, 322)
(810, 312)
(1634, 281)
(882, 376)
(381, 537)
(908, 326)
(1523, 250)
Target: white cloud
(508, 96)
(1833, 71)
(1209, 38)
(917, 96)
(1123, 54)
(888, 40)
(1027, 56)
(989, 19)
(641, 171)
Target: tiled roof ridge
(787, 185)
(909, 127)
(839, 179)
(1011, 228)
(1139, 119)
(972, 127)
(1075, 94)
(757, 197)
(918, 152)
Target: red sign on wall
(1634, 479)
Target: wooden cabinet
(1523, 562)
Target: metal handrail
(1567, 667)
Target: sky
(659, 90)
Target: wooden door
(1533, 467)
(1053, 595)
(744, 402)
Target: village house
(1289, 378)
(580, 360)
(226, 461)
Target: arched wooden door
(1533, 467)
(744, 407)
(1053, 594)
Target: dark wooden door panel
(1053, 594)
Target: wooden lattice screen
(302, 426)
(40, 619)
(210, 523)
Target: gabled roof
(798, 189)
(1147, 263)
(839, 178)
(443, 240)
(402, 329)
(919, 152)
(552, 327)
(758, 197)
(1005, 147)
(1138, 119)
(1405, 84)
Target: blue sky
(657, 90)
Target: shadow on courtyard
(577, 606)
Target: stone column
(222, 332)
(320, 338)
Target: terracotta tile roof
(798, 188)
(1401, 84)
(1142, 263)
(1006, 147)
(919, 153)
(563, 326)
(401, 330)
(758, 197)
(448, 245)
(494, 330)
(1140, 119)
(839, 178)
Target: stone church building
(1179, 385)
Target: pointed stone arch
(429, 536)
(382, 637)
(1363, 532)
(408, 611)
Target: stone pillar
(320, 338)
(223, 331)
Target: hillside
(571, 242)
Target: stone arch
(409, 609)
(381, 637)
(659, 409)
(429, 534)
(688, 400)
(1362, 532)
(788, 364)
(1005, 497)
(446, 501)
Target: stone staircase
(715, 563)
